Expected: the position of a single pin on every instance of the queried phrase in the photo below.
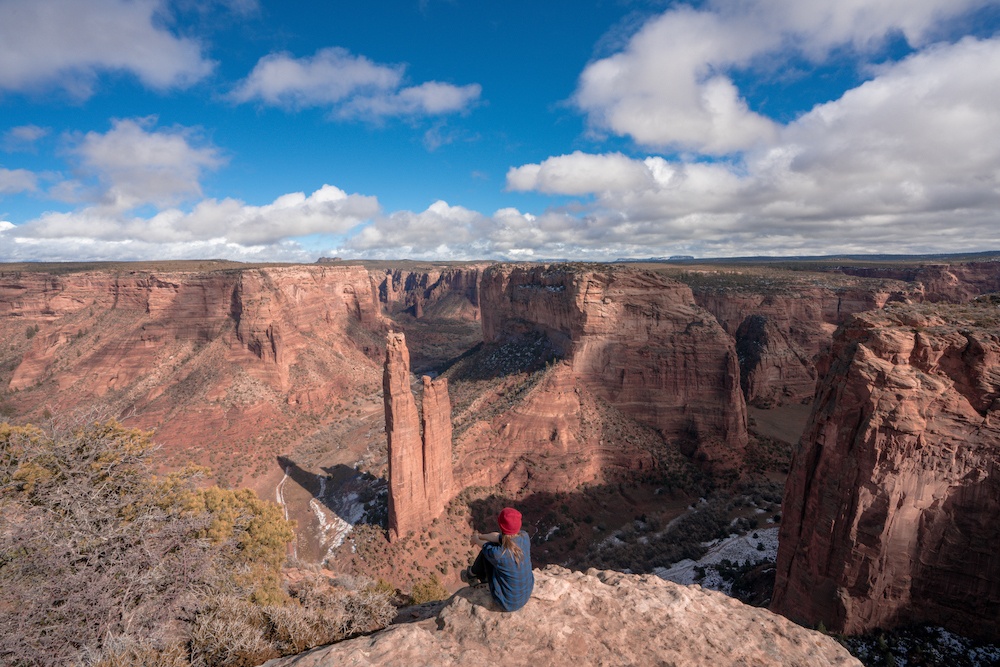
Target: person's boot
(471, 579)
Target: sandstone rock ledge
(592, 618)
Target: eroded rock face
(779, 333)
(890, 510)
(634, 339)
(592, 618)
(224, 364)
(420, 467)
(949, 283)
(451, 293)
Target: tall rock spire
(420, 469)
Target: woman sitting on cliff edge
(504, 562)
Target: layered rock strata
(780, 332)
(890, 510)
(592, 618)
(231, 367)
(420, 466)
(450, 293)
(950, 283)
(636, 340)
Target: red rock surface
(219, 362)
(634, 339)
(436, 419)
(420, 465)
(780, 332)
(591, 618)
(451, 293)
(950, 283)
(890, 509)
(556, 437)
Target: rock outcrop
(592, 618)
(781, 330)
(949, 283)
(451, 293)
(636, 340)
(231, 366)
(420, 467)
(890, 510)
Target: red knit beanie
(510, 521)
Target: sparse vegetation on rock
(103, 563)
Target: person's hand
(474, 539)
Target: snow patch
(736, 549)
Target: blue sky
(450, 129)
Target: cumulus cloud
(404, 233)
(671, 86)
(137, 164)
(67, 43)
(13, 181)
(23, 137)
(899, 162)
(329, 210)
(352, 85)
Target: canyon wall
(635, 340)
(451, 293)
(420, 467)
(950, 283)
(890, 510)
(224, 364)
(780, 331)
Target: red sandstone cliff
(635, 340)
(950, 283)
(450, 293)
(780, 331)
(890, 509)
(217, 361)
(420, 467)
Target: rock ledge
(594, 618)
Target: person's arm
(479, 539)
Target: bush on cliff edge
(103, 563)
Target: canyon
(890, 509)
(593, 394)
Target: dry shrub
(103, 563)
(131, 652)
(231, 633)
(236, 633)
(428, 590)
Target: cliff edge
(890, 509)
(593, 618)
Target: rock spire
(420, 467)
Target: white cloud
(6, 225)
(328, 77)
(13, 181)
(136, 164)
(581, 173)
(23, 137)
(329, 210)
(352, 85)
(671, 85)
(404, 233)
(67, 43)
(904, 162)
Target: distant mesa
(329, 260)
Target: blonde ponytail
(510, 546)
